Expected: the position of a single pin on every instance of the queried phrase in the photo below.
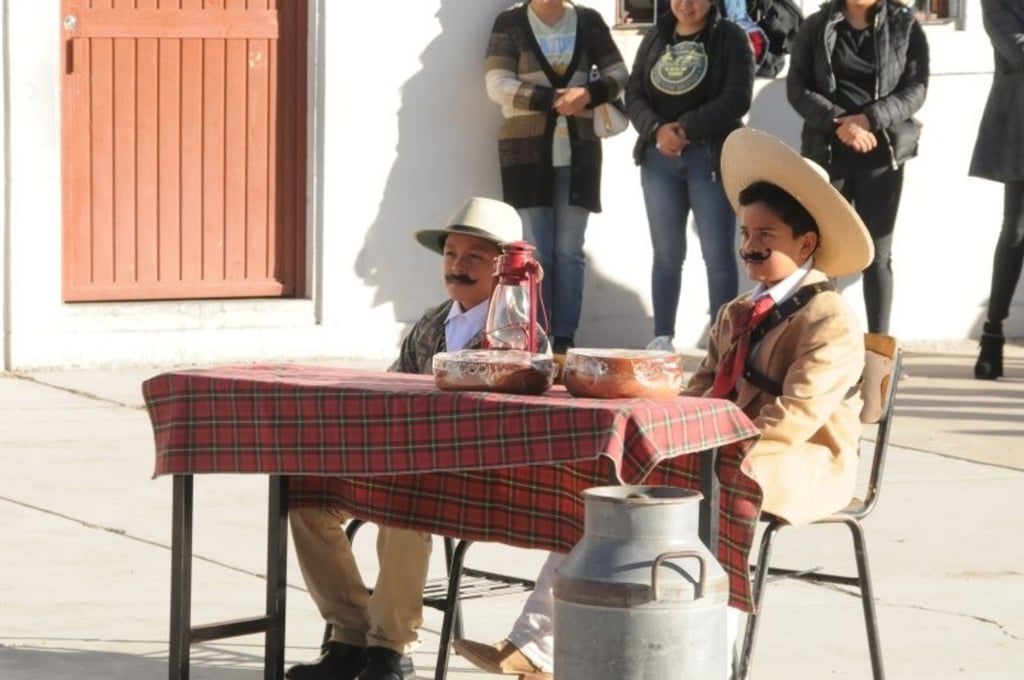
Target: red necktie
(745, 316)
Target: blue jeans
(558, 232)
(673, 185)
(734, 9)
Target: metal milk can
(640, 597)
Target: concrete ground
(85, 565)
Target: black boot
(339, 661)
(386, 664)
(990, 360)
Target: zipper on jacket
(830, 26)
(878, 82)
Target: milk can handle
(680, 553)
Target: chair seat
(855, 509)
(474, 584)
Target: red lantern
(512, 315)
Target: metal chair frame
(447, 593)
(852, 516)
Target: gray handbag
(610, 119)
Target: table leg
(277, 577)
(181, 577)
(709, 505)
(272, 623)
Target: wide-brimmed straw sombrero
(485, 218)
(748, 156)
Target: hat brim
(433, 239)
(748, 156)
(485, 218)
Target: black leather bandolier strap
(777, 315)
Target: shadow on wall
(770, 111)
(612, 315)
(447, 151)
(445, 127)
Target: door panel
(183, 148)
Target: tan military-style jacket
(806, 459)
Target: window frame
(926, 11)
(939, 11)
(623, 18)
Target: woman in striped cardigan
(548, 64)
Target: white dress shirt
(462, 326)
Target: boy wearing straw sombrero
(796, 375)
(790, 353)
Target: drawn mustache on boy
(755, 256)
(460, 278)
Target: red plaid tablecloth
(391, 448)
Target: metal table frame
(183, 634)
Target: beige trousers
(392, 616)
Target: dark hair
(782, 203)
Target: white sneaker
(662, 343)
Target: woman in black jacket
(999, 156)
(858, 73)
(691, 85)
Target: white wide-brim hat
(485, 218)
(748, 156)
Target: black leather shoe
(339, 661)
(386, 664)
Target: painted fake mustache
(460, 278)
(755, 256)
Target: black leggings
(875, 194)
(1009, 255)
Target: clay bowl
(622, 373)
(493, 370)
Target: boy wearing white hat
(373, 635)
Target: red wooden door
(184, 136)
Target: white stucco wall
(402, 132)
(5, 231)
